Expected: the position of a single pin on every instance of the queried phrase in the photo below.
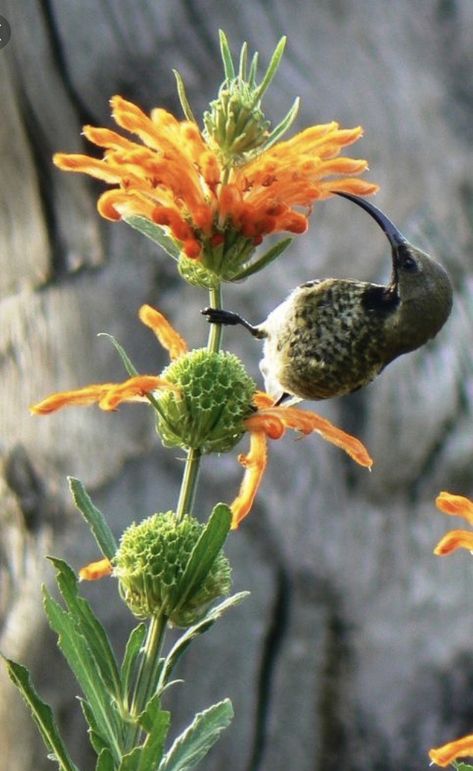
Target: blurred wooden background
(355, 648)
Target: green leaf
(42, 715)
(96, 739)
(155, 233)
(463, 767)
(155, 721)
(272, 67)
(149, 754)
(100, 529)
(194, 631)
(105, 761)
(77, 654)
(195, 742)
(133, 648)
(89, 625)
(126, 361)
(265, 260)
(130, 367)
(181, 92)
(204, 553)
(226, 56)
(283, 126)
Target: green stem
(148, 672)
(149, 665)
(188, 484)
(215, 333)
(192, 467)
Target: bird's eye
(408, 263)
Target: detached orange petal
(96, 570)
(455, 539)
(133, 389)
(166, 334)
(307, 422)
(107, 395)
(455, 505)
(447, 753)
(254, 464)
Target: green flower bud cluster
(214, 400)
(150, 563)
(235, 123)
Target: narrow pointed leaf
(126, 361)
(96, 520)
(77, 654)
(155, 721)
(89, 625)
(195, 742)
(194, 631)
(133, 648)
(181, 91)
(271, 255)
(204, 553)
(129, 366)
(149, 229)
(105, 761)
(283, 126)
(97, 741)
(253, 71)
(226, 56)
(243, 61)
(272, 67)
(42, 715)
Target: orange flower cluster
(175, 180)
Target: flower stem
(148, 673)
(191, 470)
(189, 483)
(215, 333)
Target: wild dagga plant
(209, 198)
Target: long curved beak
(393, 234)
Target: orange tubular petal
(271, 425)
(445, 755)
(254, 464)
(86, 165)
(95, 570)
(455, 505)
(81, 396)
(306, 422)
(166, 334)
(131, 389)
(455, 539)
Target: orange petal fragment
(261, 400)
(307, 422)
(81, 396)
(107, 395)
(166, 334)
(455, 505)
(254, 464)
(95, 570)
(445, 755)
(132, 389)
(455, 539)
(271, 425)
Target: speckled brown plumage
(333, 336)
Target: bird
(330, 337)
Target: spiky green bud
(150, 562)
(214, 399)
